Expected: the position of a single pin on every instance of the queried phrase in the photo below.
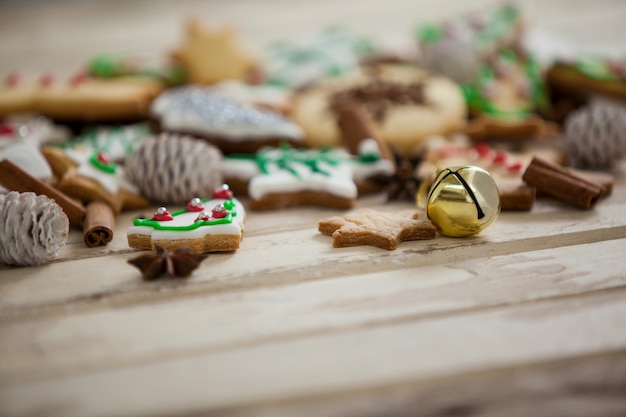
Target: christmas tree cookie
(210, 225)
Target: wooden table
(527, 318)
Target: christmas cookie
(20, 146)
(283, 177)
(172, 169)
(90, 174)
(506, 167)
(213, 225)
(375, 228)
(212, 54)
(266, 96)
(80, 99)
(406, 103)
(579, 79)
(232, 126)
(118, 65)
(505, 99)
(295, 63)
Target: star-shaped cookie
(380, 229)
(210, 55)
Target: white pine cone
(34, 228)
(172, 169)
(595, 136)
(452, 58)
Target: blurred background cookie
(210, 54)
(407, 104)
(81, 98)
(232, 126)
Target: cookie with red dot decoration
(504, 165)
(215, 224)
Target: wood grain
(523, 319)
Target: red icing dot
(195, 205)
(482, 149)
(516, 167)
(46, 80)
(162, 215)
(223, 192)
(6, 129)
(500, 158)
(104, 158)
(203, 217)
(78, 79)
(12, 80)
(219, 212)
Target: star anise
(404, 183)
(378, 96)
(179, 263)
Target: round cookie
(406, 103)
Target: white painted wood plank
(301, 254)
(77, 342)
(304, 254)
(356, 359)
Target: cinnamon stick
(561, 183)
(98, 225)
(15, 178)
(355, 125)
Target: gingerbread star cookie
(371, 227)
(211, 54)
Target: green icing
(124, 64)
(430, 33)
(597, 68)
(229, 205)
(108, 168)
(106, 67)
(286, 157)
(499, 24)
(103, 139)
(476, 99)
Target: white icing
(111, 182)
(25, 154)
(205, 111)
(262, 93)
(340, 181)
(116, 141)
(186, 219)
(368, 146)
(362, 171)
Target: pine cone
(454, 59)
(595, 136)
(171, 169)
(34, 229)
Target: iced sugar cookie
(232, 126)
(87, 165)
(283, 177)
(211, 225)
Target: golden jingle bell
(463, 201)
